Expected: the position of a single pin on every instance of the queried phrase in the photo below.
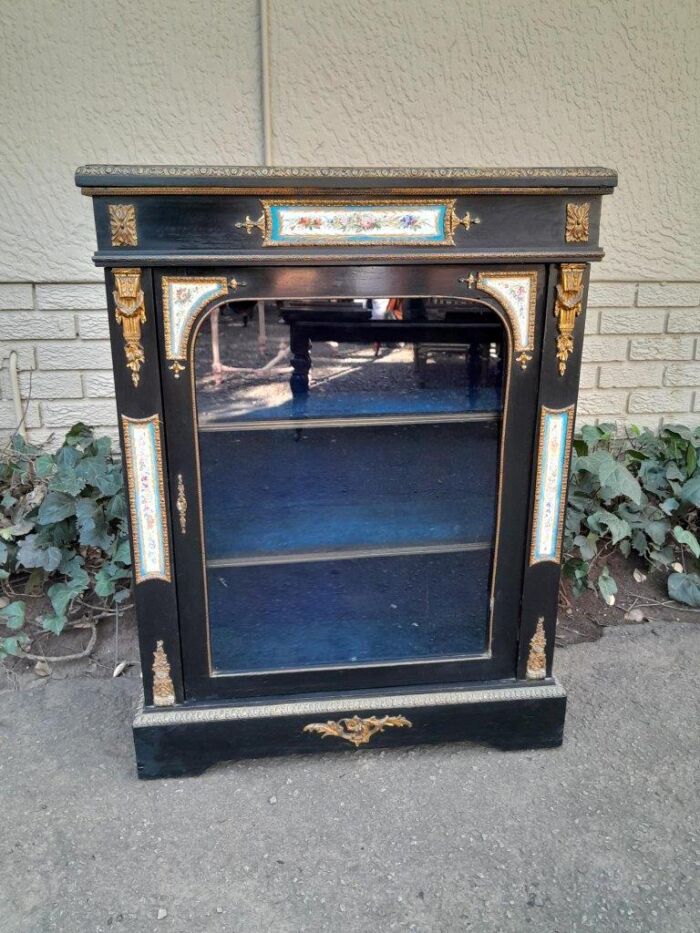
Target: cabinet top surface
(233, 176)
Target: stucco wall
(433, 82)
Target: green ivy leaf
(13, 615)
(100, 474)
(31, 554)
(55, 507)
(657, 529)
(68, 457)
(43, 465)
(71, 564)
(14, 644)
(673, 471)
(35, 582)
(61, 594)
(104, 584)
(586, 545)
(116, 507)
(685, 588)
(607, 586)
(122, 552)
(664, 556)
(591, 435)
(683, 536)
(612, 475)
(677, 431)
(690, 491)
(669, 506)
(67, 480)
(54, 624)
(92, 525)
(79, 435)
(22, 527)
(603, 520)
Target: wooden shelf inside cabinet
(367, 421)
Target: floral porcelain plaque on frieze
(381, 223)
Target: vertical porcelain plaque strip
(556, 428)
(144, 465)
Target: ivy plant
(63, 526)
(639, 495)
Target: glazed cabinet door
(349, 453)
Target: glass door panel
(349, 474)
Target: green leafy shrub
(640, 495)
(62, 520)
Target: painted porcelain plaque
(363, 224)
(555, 436)
(147, 501)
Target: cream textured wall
(104, 81)
(434, 82)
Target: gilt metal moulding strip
(263, 190)
(306, 172)
(350, 704)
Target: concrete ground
(601, 834)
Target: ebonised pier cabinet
(346, 400)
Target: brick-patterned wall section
(641, 355)
(61, 337)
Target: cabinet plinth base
(186, 740)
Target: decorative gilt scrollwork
(251, 225)
(163, 689)
(181, 504)
(577, 219)
(537, 658)
(355, 730)
(122, 223)
(130, 313)
(454, 221)
(567, 308)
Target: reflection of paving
(344, 369)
